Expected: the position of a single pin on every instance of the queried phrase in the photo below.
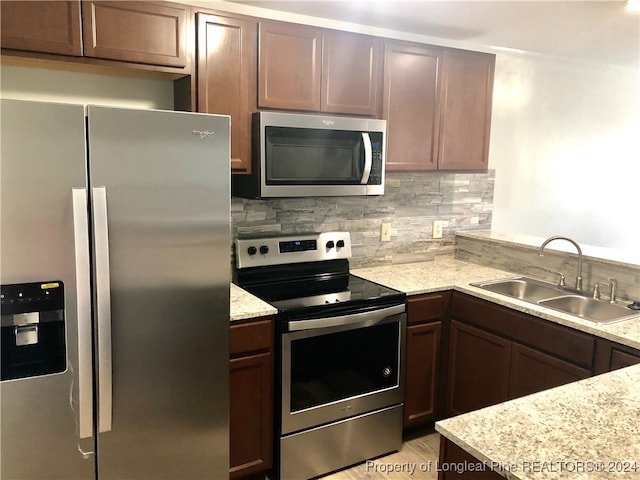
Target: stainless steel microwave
(296, 155)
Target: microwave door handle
(368, 158)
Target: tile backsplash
(523, 259)
(412, 201)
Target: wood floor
(416, 460)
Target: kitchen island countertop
(586, 430)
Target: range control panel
(260, 251)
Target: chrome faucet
(575, 244)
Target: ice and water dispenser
(33, 329)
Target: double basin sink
(561, 299)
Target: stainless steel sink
(523, 288)
(560, 299)
(585, 307)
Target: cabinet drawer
(253, 336)
(564, 342)
(428, 307)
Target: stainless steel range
(340, 352)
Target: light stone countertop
(447, 273)
(244, 305)
(585, 430)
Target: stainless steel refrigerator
(115, 293)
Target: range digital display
(298, 246)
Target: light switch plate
(385, 232)
(437, 228)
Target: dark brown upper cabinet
(289, 66)
(49, 27)
(351, 73)
(411, 105)
(310, 69)
(140, 32)
(465, 113)
(226, 77)
(437, 103)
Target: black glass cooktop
(320, 293)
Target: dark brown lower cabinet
(620, 359)
(478, 369)
(456, 463)
(423, 347)
(497, 354)
(613, 356)
(251, 398)
(425, 315)
(533, 371)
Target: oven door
(337, 367)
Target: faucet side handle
(561, 279)
(613, 285)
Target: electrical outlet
(385, 232)
(437, 228)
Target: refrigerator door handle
(83, 305)
(103, 307)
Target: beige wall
(565, 145)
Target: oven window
(336, 366)
(304, 156)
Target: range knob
(264, 249)
(252, 250)
(340, 243)
(330, 244)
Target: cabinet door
(351, 74)
(533, 371)
(421, 373)
(621, 359)
(478, 369)
(49, 27)
(289, 66)
(465, 463)
(410, 106)
(251, 414)
(139, 32)
(467, 91)
(226, 56)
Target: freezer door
(43, 160)
(160, 185)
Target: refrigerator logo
(328, 122)
(203, 133)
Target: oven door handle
(364, 319)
